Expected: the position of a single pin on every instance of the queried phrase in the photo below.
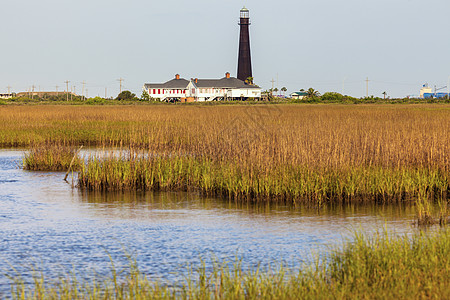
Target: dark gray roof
(171, 84)
(231, 82)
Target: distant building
(298, 95)
(180, 89)
(434, 95)
(7, 95)
(425, 90)
(42, 94)
(172, 89)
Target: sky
(329, 45)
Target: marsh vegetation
(314, 155)
(384, 266)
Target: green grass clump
(240, 181)
(379, 267)
(51, 157)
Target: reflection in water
(45, 221)
(110, 202)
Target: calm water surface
(48, 224)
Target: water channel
(55, 228)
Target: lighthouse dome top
(245, 12)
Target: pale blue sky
(325, 44)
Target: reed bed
(319, 153)
(291, 184)
(380, 267)
(51, 157)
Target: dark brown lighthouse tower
(245, 61)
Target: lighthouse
(244, 60)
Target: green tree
(145, 96)
(276, 91)
(126, 95)
(384, 95)
(284, 90)
(311, 93)
(249, 80)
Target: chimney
(177, 76)
(227, 74)
(196, 80)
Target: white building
(6, 95)
(175, 88)
(298, 95)
(425, 90)
(226, 88)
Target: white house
(6, 95)
(179, 89)
(298, 95)
(172, 89)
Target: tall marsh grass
(318, 153)
(51, 157)
(239, 181)
(380, 267)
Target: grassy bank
(291, 153)
(380, 267)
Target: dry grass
(310, 135)
(285, 152)
(51, 157)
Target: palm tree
(284, 90)
(310, 93)
(384, 94)
(276, 91)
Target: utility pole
(82, 92)
(57, 86)
(120, 81)
(67, 89)
(106, 92)
(9, 88)
(271, 91)
(32, 91)
(87, 93)
(367, 87)
(74, 92)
